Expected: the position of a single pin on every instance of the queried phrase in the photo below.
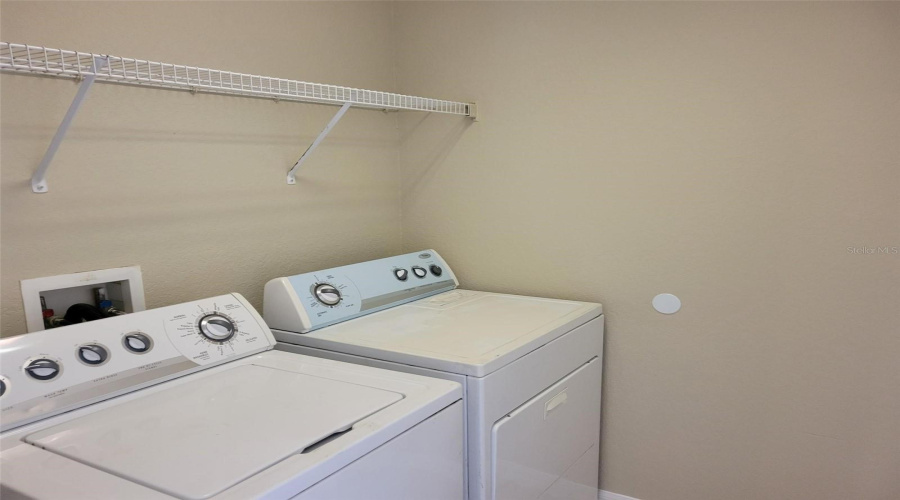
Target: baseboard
(608, 495)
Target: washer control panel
(48, 372)
(313, 300)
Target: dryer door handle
(555, 402)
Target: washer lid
(196, 439)
(461, 331)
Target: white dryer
(530, 367)
(190, 401)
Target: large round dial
(327, 294)
(217, 327)
(2, 386)
(43, 369)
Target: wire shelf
(30, 59)
(88, 68)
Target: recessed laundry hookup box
(122, 287)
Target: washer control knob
(327, 294)
(216, 327)
(2, 387)
(436, 270)
(93, 354)
(401, 274)
(42, 369)
(420, 272)
(137, 343)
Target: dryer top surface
(459, 331)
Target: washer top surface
(197, 439)
(460, 331)
(179, 410)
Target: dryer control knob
(419, 271)
(42, 369)
(216, 327)
(2, 387)
(327, 294)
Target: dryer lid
(196, 439)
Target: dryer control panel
(52, 371)
(313, 300)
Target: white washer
(190, 401)
(531, 367)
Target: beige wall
(728, 153)
(192, 188)
(725, 152)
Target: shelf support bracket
(337, 117)
(39, 180)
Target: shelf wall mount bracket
(39, 178)
(291, 179)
